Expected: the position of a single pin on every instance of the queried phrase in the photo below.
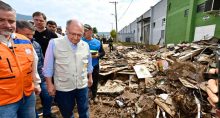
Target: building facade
(149, 28)
(128, 33)
(158, 23)
(187, 21)
(143, 27)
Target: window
(186, 12)
(201, 7)
(163, 21)
(134, 31)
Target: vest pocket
(6, 73)
(9, 89)
(5, 67)
(84, 80)
(85, 64)
(62, 61)
(7, 83)
(62, 68)
(64, 82)
(30, 58)
(28, 80)
(62, 58)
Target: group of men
(34, 60)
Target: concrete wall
(126, 37)
(128, 33)
(148, 27)
(143, 27)
(181, 27)
(158, 22)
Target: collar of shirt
(74, 46)
(5, 41)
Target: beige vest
(70, 66)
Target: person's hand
(96, 55)
(212, 89)
(51, 89)
(37, 90)
(90, 81)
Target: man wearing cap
(59, 30)
(97, 52)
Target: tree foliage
(95, 31)
(113, 34)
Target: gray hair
(68, 23)
(74, 21)
(5, 6)
(21, 24)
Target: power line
(125, 10)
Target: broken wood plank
(190, 55)
(126, 72)
(165, 107)
(142, 71)
(113, 71)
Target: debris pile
(166, 83)
(155, 82)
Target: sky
(97, 13)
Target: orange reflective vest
(16, 70)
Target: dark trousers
(110, 47)
(66, 102)
(46, 100)
(95, 77)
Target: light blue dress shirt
(48, 69)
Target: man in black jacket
(42, 35)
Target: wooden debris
(190, 55)
(113, 71)
(165, 107)
(112, 87)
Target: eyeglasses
(75, 34)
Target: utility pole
(116, 20)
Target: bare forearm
(90, 81)
(49, 80)
(89, 75)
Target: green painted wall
(180, 28)
(199, 21)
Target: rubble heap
(168, 82)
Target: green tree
(95, 31)
(113, 34)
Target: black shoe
(50, 116)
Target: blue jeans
(46, 99)
(66, 102)
(24, 108)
